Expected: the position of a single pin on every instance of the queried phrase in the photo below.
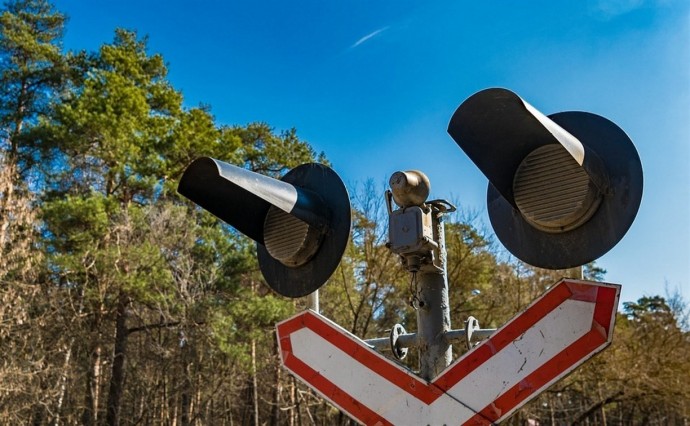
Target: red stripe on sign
(607, 301)
(605, 296)
(503, 336)
(374, 361)
(582, 291)
(541, 377)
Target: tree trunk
(255, 391)
(277, 388)
(117, 379)
(6, 199)
(66, 366)
(293, 402)
(601, 408)
(186, 387)
(62, 383)
(586, 413)
(93, 378)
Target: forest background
(122, 303)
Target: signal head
(563, 189)
(301, 223)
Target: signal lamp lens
(553, 192)
(288, 239)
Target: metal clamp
(471, 325)
(399, 351)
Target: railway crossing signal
(563, 190)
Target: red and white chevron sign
(559, 331)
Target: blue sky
(374, 84)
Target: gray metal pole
(416, 232)
(313, 301)
(433, 315)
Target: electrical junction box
(410, 230)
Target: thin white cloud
(368, 37)
(612, 8)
